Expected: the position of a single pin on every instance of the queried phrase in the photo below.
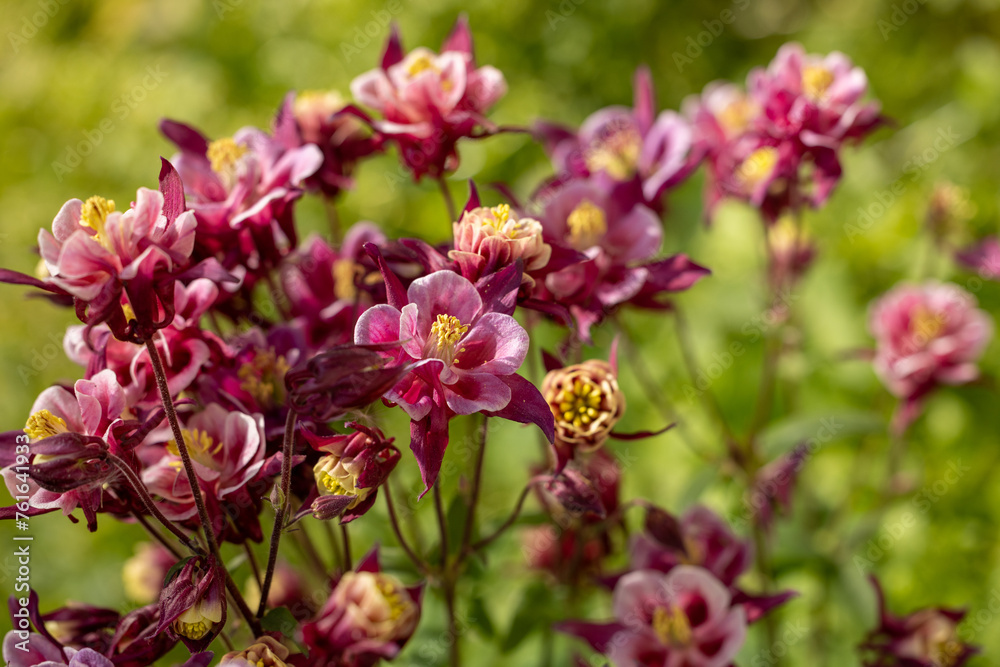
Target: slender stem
(175, 427)
(448, 200)
(690, 362)
(477, 482)
(447, 579)
(253, 563)
(764, 569)
(303, 539)
(442, 523)
(333, 219)
(155, 534)
(394, 520)
(227, 641)
(476, 546)
(279, 512)
(206, 523)
(348, 562)
(150, 506)
(336, 552)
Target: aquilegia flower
(926, 335)
(683, 617)
(428, 101)
(623, 145)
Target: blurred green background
(96, 77)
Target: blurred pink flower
(428, 101)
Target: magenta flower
(242, 189)
(350, 471)
(983, 258)
(684, 618)
(777, 145)
(619, 240)
(71, 465)
(227, 451)
(193, 604)
(329, 288)
(343, 138)
(428, 101)
(94, 252)
(465, 350)
(925, 638)
(926, 335)
(369, 616)
(622, 145)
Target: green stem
(279, 512)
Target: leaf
(280, 620)
(533, 612)
(481, 618)
(174, 570)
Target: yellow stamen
(44, 424)
(200, 445)
(345, 272)
(421, 63)
(927, 324)
(579, 405)
(736, 117)
(617, 154)
(264, 377)
(816, 80)
(94, 214)
(587, 224)
(129, 313)
(195, 630)
(449, 330)
(757, 167)
(224, 154)
(389, 590)
(501, 213)
(672, 626)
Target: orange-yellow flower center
(44, 424)
(264, 377)
(617, 154)
(420, 64)
(587, 224)
(390, 591)
(94, 214)
(757, 167)
(927, 324)
(736, 117)
(579, 404)
(671, 626)
(448, 331)
(223, 154)
(200, 446)
(816, 80)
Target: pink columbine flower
(369, 616)
(343, 138)
(88, 412)
(95, 251)
(927, 335)
(777, 144)
(227, 451)
(465, 350)
(489, 239)
(619, 240)
(428, 101)
(925, 638)
(682, 618)
(242, 189)
(622, 145)
(350, 470)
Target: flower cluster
(237, 385)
